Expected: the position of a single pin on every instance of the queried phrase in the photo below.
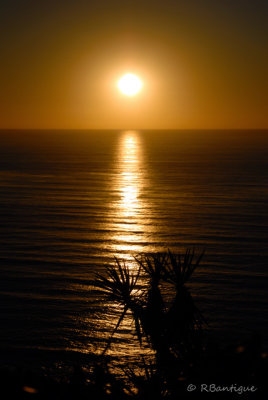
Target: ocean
(71, 201)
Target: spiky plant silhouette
(118, 288)
(172, 325)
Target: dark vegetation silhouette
(172, 324)
(156, 296)
(163, 312)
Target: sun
(130, 84)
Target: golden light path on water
(130, 210)
(127, 219)
(130, 223)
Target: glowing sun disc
(129, 84)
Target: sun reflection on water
(130, 229)
(130, 176)
(129, 207)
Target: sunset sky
(203, 63)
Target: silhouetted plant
(118, 288)
(173, 325)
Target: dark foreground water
(71, 200)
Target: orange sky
(204, 65)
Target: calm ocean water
(72, 200)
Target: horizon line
(133, 129)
